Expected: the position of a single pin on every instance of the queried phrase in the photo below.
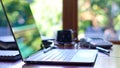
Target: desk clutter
(64, 40)
(64, 37)
(100, 44)
(8, 49)
(7, 43)
(95, 42)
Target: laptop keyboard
(57, 55)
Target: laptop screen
(23, 26)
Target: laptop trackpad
(85, 56)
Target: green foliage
(48, 14)
(103, 8)
(100, 3)
(84, 24)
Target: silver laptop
(26, 33)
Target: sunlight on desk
(112, 61)
(115, 51)
(5, 64)
(107, 62)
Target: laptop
(27, 35)
(7, 51)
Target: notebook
(6, 39)
(27, 35)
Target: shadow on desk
(54, 66)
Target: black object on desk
(46, 43)
(95, 42)
(64, 36)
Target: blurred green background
(48, 15)
(106, 11)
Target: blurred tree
(111, 7)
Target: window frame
(70, 16)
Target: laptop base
(60, 63)
(60, 59)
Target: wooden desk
(103, 61)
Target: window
(77, 15)
(99, 17)
(48, 14)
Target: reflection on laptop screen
(23, 26)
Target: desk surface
(103, 61)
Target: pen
(100, 49)
(49, 48)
